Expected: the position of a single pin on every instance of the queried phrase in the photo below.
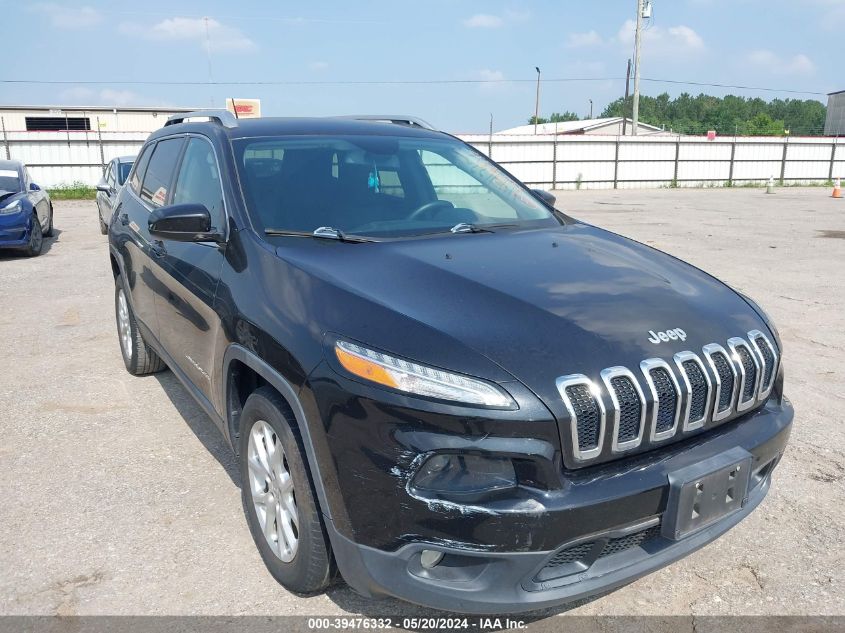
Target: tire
(138, 356)
(36, 239)
(302, 564)
(49, 231)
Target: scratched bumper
(495, 550)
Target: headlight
(419, 380)
(14, 207)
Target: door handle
(124, 219)
(157, 248)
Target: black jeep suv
(435, 382)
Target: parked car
(26, 212)
(114, 175)
(430, 377)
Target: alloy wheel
(271, 486)
(123, 326)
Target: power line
(393, 82)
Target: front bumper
(14, 229)
(596, 503)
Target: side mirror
(189, 222)
(34, 187)
(103, 187)
(545, 196)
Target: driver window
(453, 184)
(199, 180)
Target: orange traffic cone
(837, 189)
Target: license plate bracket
(704, 493)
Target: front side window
(141, 167)
(159, 173)
(199, 180)
(123, 170)
(378, 186)
(109, 175)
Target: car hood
(541, 303)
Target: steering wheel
(417, 213)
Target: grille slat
(750, 372)
(726, 377)
(630, 408)
(667, 398)
(698, 390)
(588, 417)
(769, 357)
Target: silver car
(114, 175)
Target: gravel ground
(119, 496)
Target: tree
(727, 115)
(556, 117)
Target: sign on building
(244, 108)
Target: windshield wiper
(465, 227)
(324, 232)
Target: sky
(470, 59)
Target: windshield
(123, 170)
(9, 180)
(378, 186)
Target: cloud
(798, 64)
(490, 21)
(583, 40)
(220, 36)
(484, 21)
(62, 17)
(318, 66)
(662, 41)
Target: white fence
(545, 161)
(602, 162)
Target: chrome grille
(667, 399)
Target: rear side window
(138, 174)
(159, 172)
(199, 180)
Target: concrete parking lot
(119, 496)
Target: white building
(84, 118)
(608, 126)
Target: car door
(189, 325)
(150, 186)
(105, 199)
(37, 197)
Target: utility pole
(625, 103)
(637, 41)
(208, 56)
(591, 108)
(537, 100)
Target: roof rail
(223, 117)
(400, 119)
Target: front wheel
(36, 239)
(49, 231)
(278, 498)
(138, 357)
